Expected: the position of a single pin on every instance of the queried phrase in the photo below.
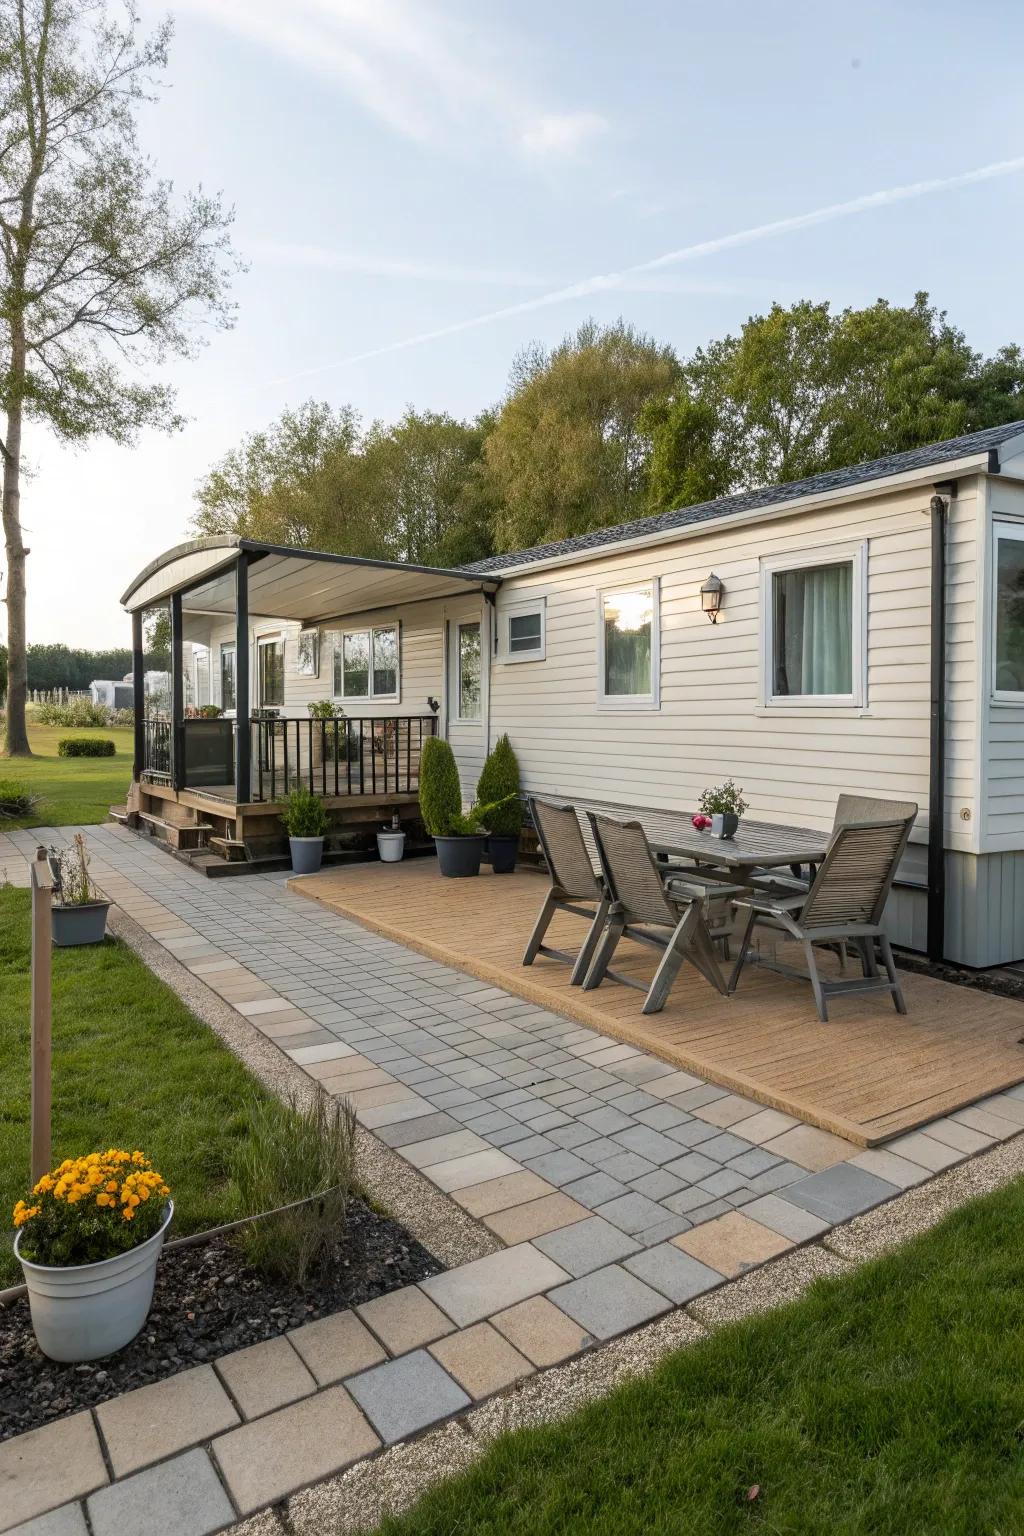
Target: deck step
(194, 835)
(230, 848)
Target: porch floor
(868, 1074)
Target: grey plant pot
(307, 853)
(724, 825)
(459, 857)
(502, 853)
(85, 924)
(86, 1311)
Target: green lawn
(131, 1067)
(74, 790)
(888, 1402)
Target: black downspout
(937, 740)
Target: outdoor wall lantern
(711, 595)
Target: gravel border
(440, 1224)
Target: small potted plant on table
(499, 787)
(725, 805)
(79, 911)
(305, 821)
(88, 1239)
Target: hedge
(85, 746)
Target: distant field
(72, 790)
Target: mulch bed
(207, 1302)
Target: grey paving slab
(726, 1145)
(559, 1167)
(692, 1167)
(674, 1273)
(632, 1212)
(474, 1291)
(406, 1395)
(184, 1496)
(840, 1192)
(663, 1117)
(782, 1216)
(69, 1520)
(609, 1301)
(586, 1245)
(408, 1131)
(595, 1189)
(628, 1166)
(668, 1226)
(649, 1143)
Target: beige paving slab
(155, 1421)
(481, 1360)
(541, 1331)
(265, 1461)
(767, 1124)
(265, 1376)
(337, 1346)
(727, 1111)
(333, 1064)
(477, 1168)
(405, 1319)
(498, 1194)
(888, 1165)
(732, 1243)
(391, 1113)
(375, 1098)
(352, 1082)
(672, 1083)
(441, 1149)
(474, 1291)
(520, 1223)
(810, 1148)
(48, 1467)
(265, 1005)
(925, 1150)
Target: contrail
(603, 282)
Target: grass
(888, 1401)
(131, 1067)
(73, 790)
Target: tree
(568, 450)
(100, 269)
(423, 477)
(801, 390)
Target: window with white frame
(1008, 606)
(813, 627)
(227, 678)
(629, 646)
(366, 663)
(523, 631)
(468, 660)
(270, 671)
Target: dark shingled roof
(748, 501)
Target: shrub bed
(85, 746)
(16, 799)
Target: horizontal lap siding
(1004, 755)
(791, 763)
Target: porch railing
(369, 755)
(157, 755)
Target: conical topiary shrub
(440, 790)
(499, 782)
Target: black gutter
(937, 734)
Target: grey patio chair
(572, 881)
(844, 904)
(642, 900)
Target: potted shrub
(391, 841)
(305, 821)
(499, 782)
(459, 838)
(79, 912)
(88, 1239)
(321, 711)
(725, 805)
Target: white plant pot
(390, 846)
(86, 1311)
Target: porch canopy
(225, 574)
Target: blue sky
(402, 167)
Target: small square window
(522, 632)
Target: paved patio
(622, 1186)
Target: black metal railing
(157, 756)
(369, 755)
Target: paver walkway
(622, 1186)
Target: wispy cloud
(608, 281)
(363, 264)
(411, 65)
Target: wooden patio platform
(868, 1074)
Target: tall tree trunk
(16, 734)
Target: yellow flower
(128, 1213)
(104, 1200)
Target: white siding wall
(792, 762)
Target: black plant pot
(502, 853)
(458, 857)
(729, 824)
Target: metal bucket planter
(86, 1311)
(85, 924)
(307, 853)
(458, 857)
(502, 853)
(390, 846)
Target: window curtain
(813, 650)
(628, 618)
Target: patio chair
(572, 881)
(843, 904)
(642, 900)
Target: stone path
(622, 1186)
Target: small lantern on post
(711, 595)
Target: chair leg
(670, 964)
(590, 943)
(815, 979)
(890, 971)
(741, 953)
(606, 949)
(541, 927)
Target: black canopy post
(243, 739)
(177, 696)
(138, 696)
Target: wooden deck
(868, 1074)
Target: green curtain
(813, 630)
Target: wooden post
(41, 882)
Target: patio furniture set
(658, 880)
